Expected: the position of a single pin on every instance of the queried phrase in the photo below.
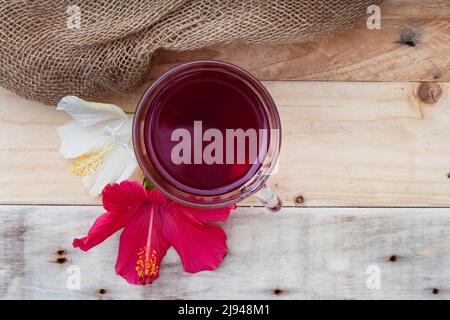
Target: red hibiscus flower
(152, 223)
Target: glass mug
(208, 134)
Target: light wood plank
(303, 253)
(412, 45)
(344, 144)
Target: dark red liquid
(220, 101)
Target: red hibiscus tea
(204, 99)
(207, 134)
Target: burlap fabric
(52, 48)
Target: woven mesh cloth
(52, 48)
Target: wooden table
(364, 175)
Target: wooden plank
(297, 253)
(412, 45)
(344, 144)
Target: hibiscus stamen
(89, 162)
(147, 265)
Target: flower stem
(147, 184)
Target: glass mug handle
(269, 199)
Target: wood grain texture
(344, 144)
(296, 253)
(412, 45)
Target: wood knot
(429, 93)
(437, 75)
(61, 260)
(300, 199)
(61, 252)
(408, 38)
(278, 292)
(60, 256)
(393, 258)
(435, 291)
(102, 291)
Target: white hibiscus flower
(98, 139)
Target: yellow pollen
(146, 265)
(89, 162)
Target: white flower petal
(120, 130)
(128, 172)
(117, 165)
(90, 113)
(77, 140)
(97, 126)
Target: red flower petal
(104, 226)
(119, 198)
(142, 246)
(121, 201)
(201, 246)
(207, 215)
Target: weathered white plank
(297, 253)
(344, 144)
